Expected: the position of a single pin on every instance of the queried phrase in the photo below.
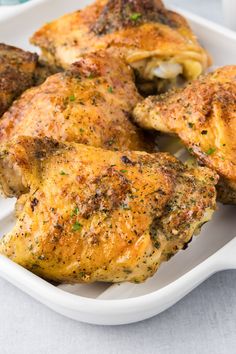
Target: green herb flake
(72, 98)
(76, 226)
(204, 132)
(135, 16)
(110, 89)
(127, 271)
(125, 207)
(63, 173)
(75, 211)
(210, 151)
(81, 130)
(123, 171)
(82, 274)
(191, 125)
(110, 142)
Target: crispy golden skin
(88, 214)
(90, 103)
(144, 31)
(203, 115)
(19, 70)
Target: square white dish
(212, 251)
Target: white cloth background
(202, 323)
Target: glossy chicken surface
(203, 115)
(90, 103)
(19, 70)
(156, 42)
(87, 214)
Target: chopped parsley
(135, 16)
(123, 171)
(63, 173)
(111, 142)
(110, 89)
(72, 98)
(190, 124)
(76, 226)
(75, 211)
(125, 207)
(210, 151)
(81, 130)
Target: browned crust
(203, 115)
(118, 26)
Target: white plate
(213, 251)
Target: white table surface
(204, 322)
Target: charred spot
(58, 227)
(84, 67)
(127, 161)
(107, 193)
(16, 74)
(169, 256)
(33, 203)
(168, 208)
(187, 244)
(131, 13)
(40, 154)
(161, 192)
(45, 147)
(204, 132)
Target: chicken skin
(203, 116)
(90, 103)
(19, 70)
(86, 214)
(156, 42)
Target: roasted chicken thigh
(87, 214)
(19, 70)
(90, 103)
(203, 116)
(156, 42)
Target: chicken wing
(19, 70)
(87, 214)
(156, 42)
(203, 115)
(90, 103)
